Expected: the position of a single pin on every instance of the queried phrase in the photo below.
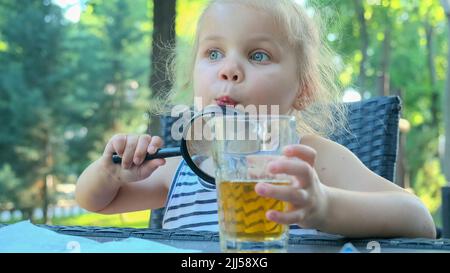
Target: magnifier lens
(198, 139)
(238, 133)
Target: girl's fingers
(141, 149)
(286, 218)
(130, 148)
(295, 196)
(150, 166)
(155, 143)
(303, 152)
(115, 145)
(295, 167)
(257, 166)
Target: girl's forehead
(233, 19)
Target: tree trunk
(48, 169)
(402, 170)
(27, 214)
(45, 200)
(364, 44)
(445, 191)
(432, 72)
(384, 83)
(446, 107)
(385, 63)
(164, 12)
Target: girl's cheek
(202, 93)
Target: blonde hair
(322, 111)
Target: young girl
(255, 52)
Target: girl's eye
(259, 57)
(214, 55)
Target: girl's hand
(306, 196)
(132, 149)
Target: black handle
(160, 153)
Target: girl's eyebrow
(212, 38)
(267, 39)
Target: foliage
(428, 184)
(10, 185)
(65, 88)
(31, 86)
(416, 68)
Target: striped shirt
(192, 204)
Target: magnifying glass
(196, 143)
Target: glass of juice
(242, 148)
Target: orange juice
(243, 212)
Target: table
(209, 241)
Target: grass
(137, 219)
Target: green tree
(107, 52)
(397, 47)
(65, 88)
(30, 85)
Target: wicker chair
(373, 138)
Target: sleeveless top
(192, 204)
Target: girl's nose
(231, 72)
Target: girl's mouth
(226, 101)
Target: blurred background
(75, 72)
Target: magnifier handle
(160, 153)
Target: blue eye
(214, 55)
(259, 57)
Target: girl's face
(243, 58)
